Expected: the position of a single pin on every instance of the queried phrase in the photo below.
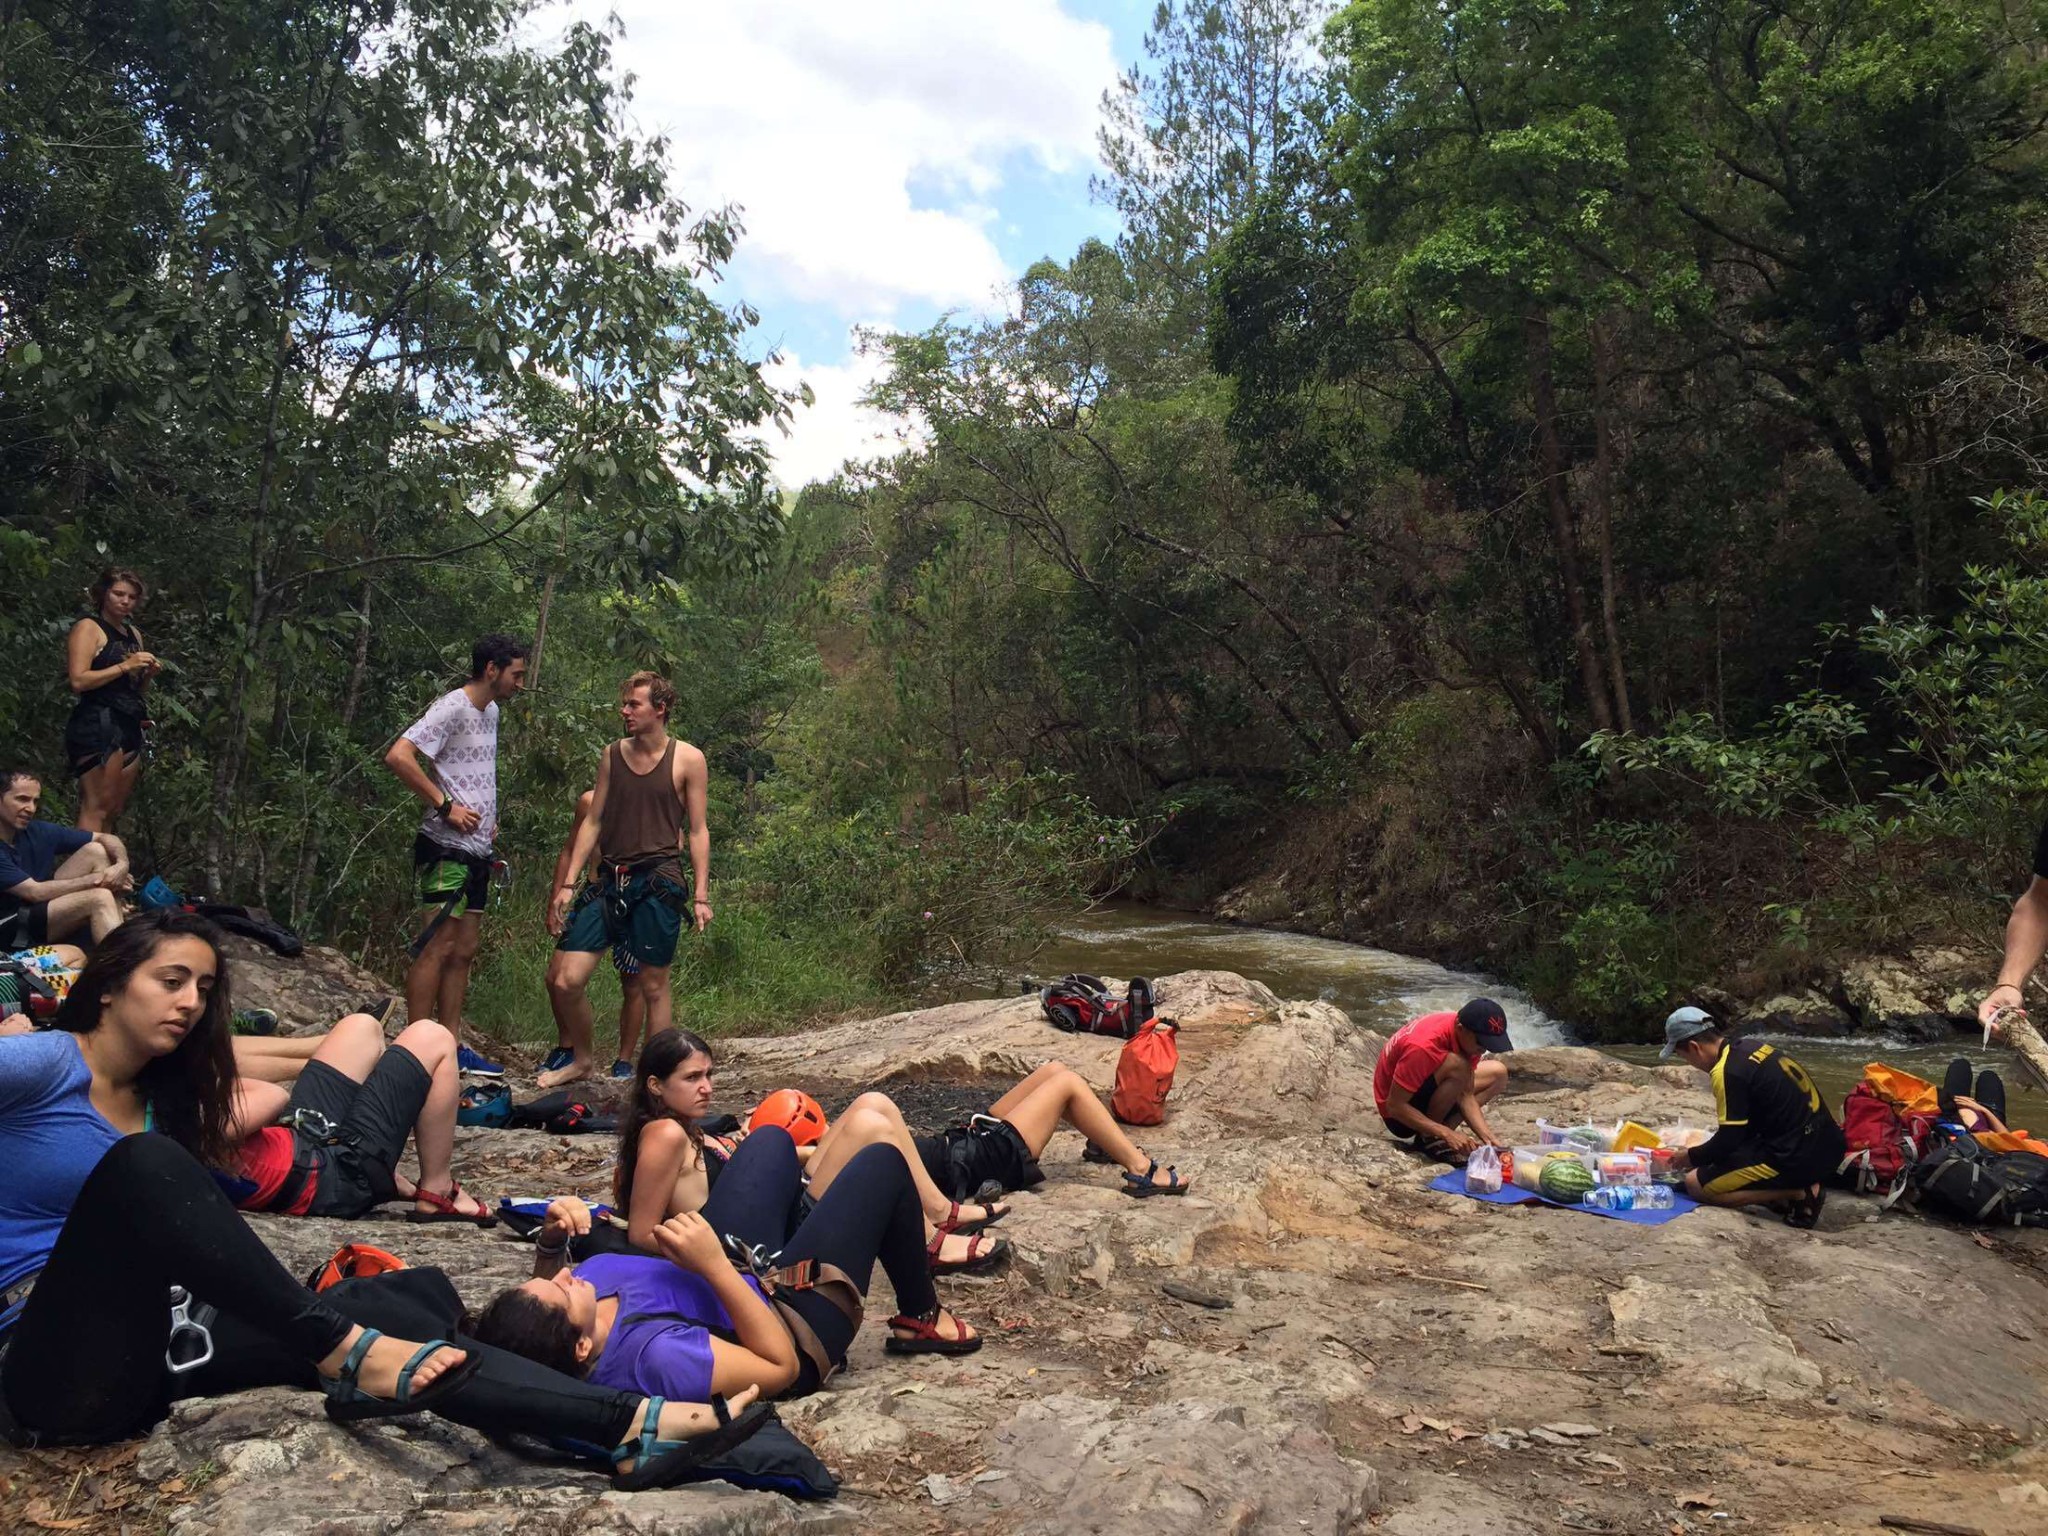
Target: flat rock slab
(1388, 1355)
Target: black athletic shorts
(1757, 1168)
(1420, 1099)
(26, 926)
(963, 1158)
(371, 1121)
(96, 732)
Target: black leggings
(871, 1212)
(84, 1362)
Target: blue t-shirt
(669, 1358)
(35, 853)
(51, 1137)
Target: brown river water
(1381, 990)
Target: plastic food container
(1623, 1168)
(1661, 1169)
(1636, 1138)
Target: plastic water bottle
(1629, 1197)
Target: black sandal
(1144, 1186)
(1805, 1212)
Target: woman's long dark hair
(190, 1092)
(660, 1056)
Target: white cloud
(865, 141)
(836, 426)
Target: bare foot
(378, 1374)
(575, 1072)
(683, 1421)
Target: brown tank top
(643, 814)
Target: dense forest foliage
(1547, 484)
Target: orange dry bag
(1144, 1073)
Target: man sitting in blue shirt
(54, 881)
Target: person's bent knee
(871, 1103)
(1456, 1069)
(1490, 1071)
(428, 1040)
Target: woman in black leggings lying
(690, 1322)
(105, 1208)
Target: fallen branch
(1416, 1274)
(1927, 1527)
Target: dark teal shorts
(641, 919)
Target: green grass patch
(748, 974)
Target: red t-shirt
(1411, 1057)
(265, 1161)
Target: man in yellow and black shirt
(1777, 1143)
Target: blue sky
(895, 160)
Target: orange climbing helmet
(793, 1110)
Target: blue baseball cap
(1488, 1023)
(1682, 1026)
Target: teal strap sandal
(658, 1463)
(348, 1403)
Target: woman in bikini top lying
(668, 1167)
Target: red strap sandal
(924, 1336)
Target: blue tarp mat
(1453, 1183)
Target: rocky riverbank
(1341, 1349)
(1924, 993)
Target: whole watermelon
(1565, 1180)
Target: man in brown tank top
(649, 799)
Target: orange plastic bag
(1144, 1073)
(1914, 1095)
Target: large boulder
(1795, 1013)
(1888, 996)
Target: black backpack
(1082, 1005)
(1961, 1180)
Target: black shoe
(1991, 1093)
(378, 1008)
(1955, 1084)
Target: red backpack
(1144, 1073)
(1883, 1140)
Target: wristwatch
(441, 810)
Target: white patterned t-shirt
(462, 741)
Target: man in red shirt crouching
(1430, 1078)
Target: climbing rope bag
(1144, 1073)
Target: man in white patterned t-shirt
(452, 853)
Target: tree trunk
(2026, 1041)
(540, 631)
(1536, 333)
(1606, 478)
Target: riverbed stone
(1807, 1013)
(1888, 996)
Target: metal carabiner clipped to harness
(189, 1320)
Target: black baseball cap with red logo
(1487, 1023)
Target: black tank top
(124, 693)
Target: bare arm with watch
(403, 759)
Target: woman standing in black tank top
(108, 668)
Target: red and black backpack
(1082, 1005)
